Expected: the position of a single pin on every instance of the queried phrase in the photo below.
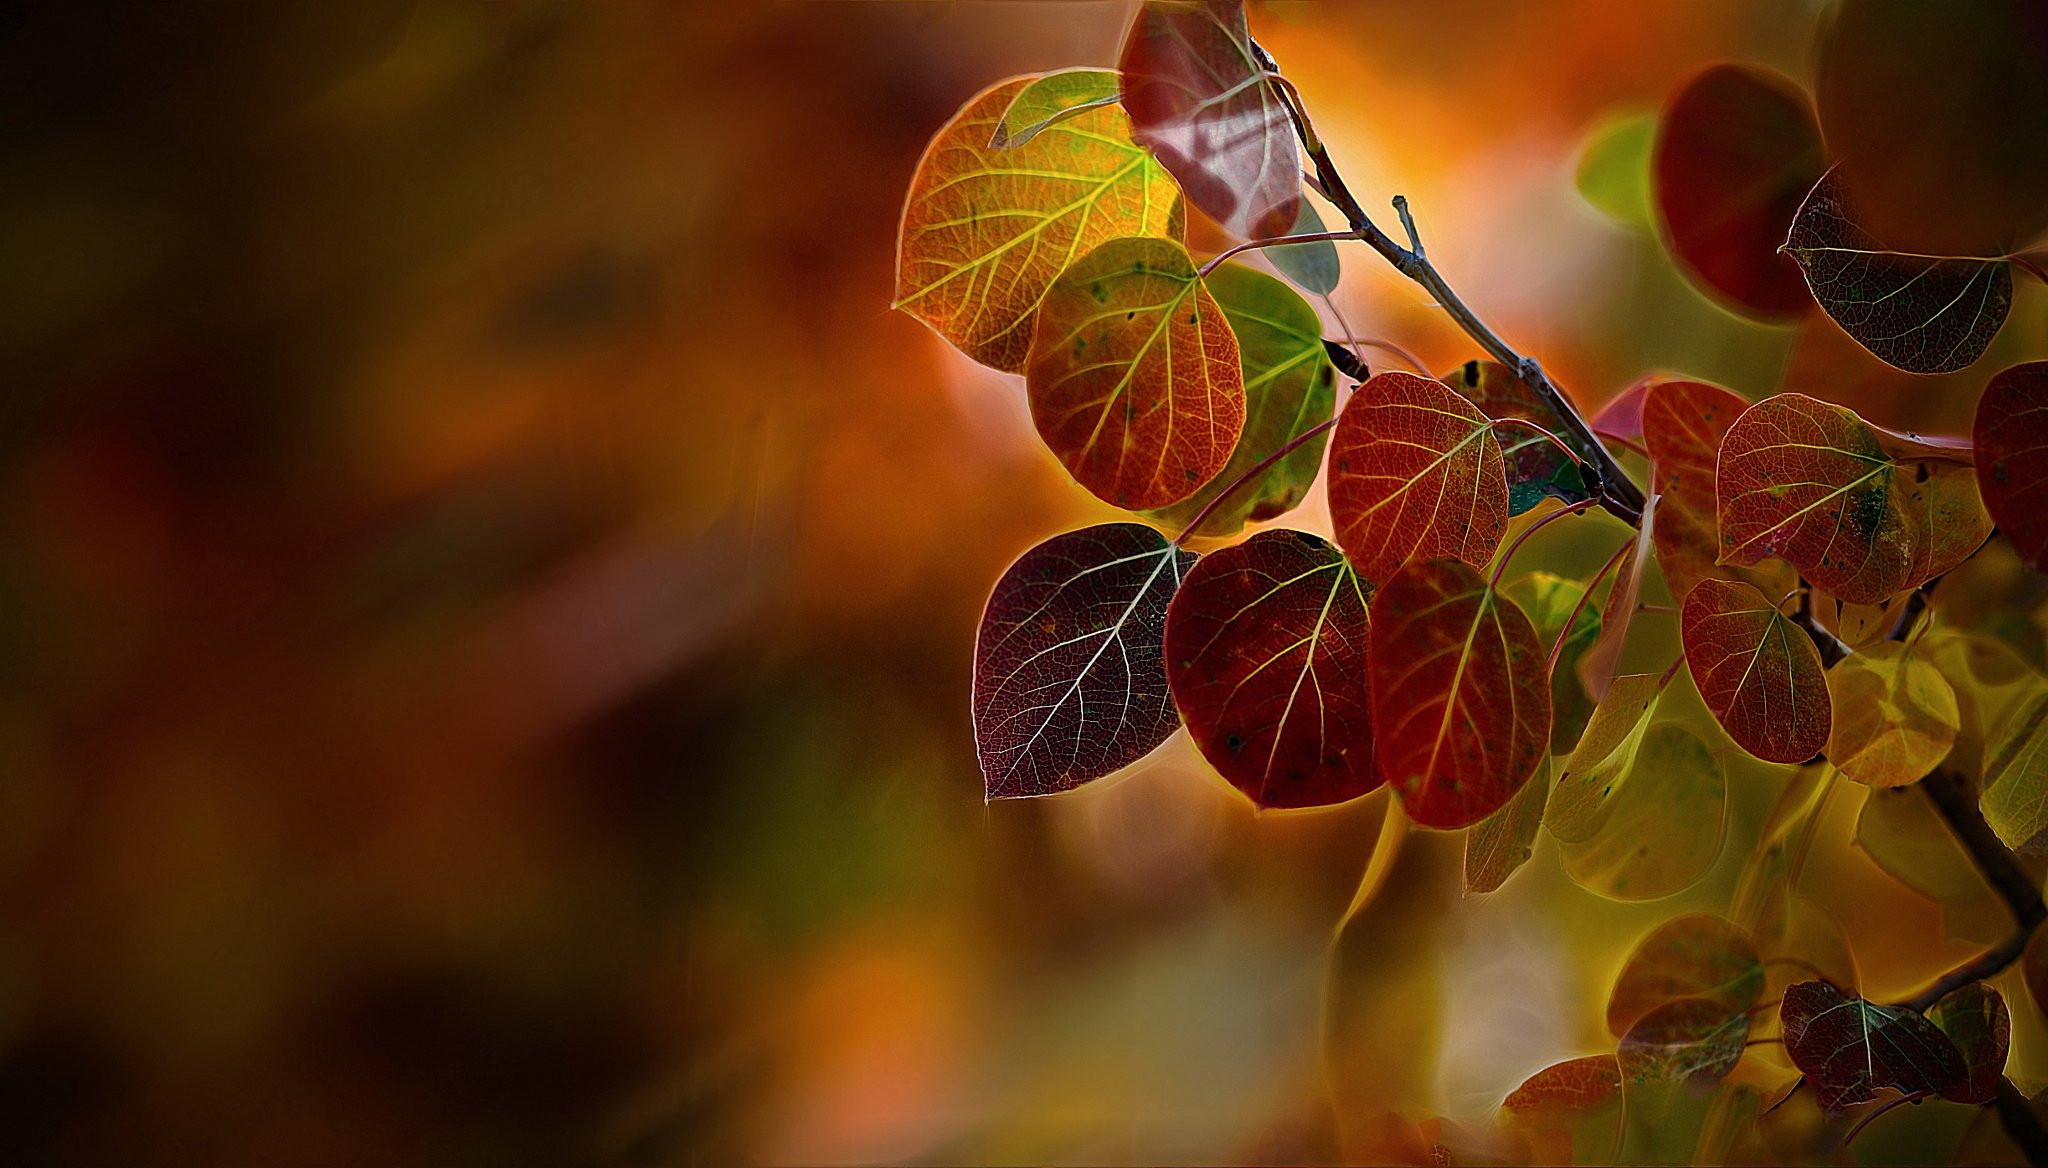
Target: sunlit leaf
(1052, 99)
(2012, 457)
(1861, 512)
(1602, 660)
(1613, 172)
(1565, 1092)
(1549, 600)
(1904, 835)
(1603, 759)
(1758, 673)
(1737, 151)
(1698, 955)
(1498, 845)
(1662, 831)
(2015, 794)
(1199, 98)
(1895, 717)
(1922, 313)
(1850, 1048)
(1461, 704)
(1312, 266)
(985, 232)
(1855, 625)
(1266, 652)
(1415, 472)
(1688, 1039)
(1134, 376)
(1535, 466)
(1975, 1019)
(1289, 387)
(1069, 665)
(1682, 424)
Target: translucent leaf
(1975, 1019)
(1266, 653)
(1052, 99)
(1415, 472)
(1498, 845)
(1682, 425)
(1613, 173)
(1691, 1039)
(1596, 669)
(1758, 673)
(1861, 512)
(1895, 717)
(1698, 955)
(1603, 759)
(1461, 704)
(1737, 151)
(1069, 664)
(1200, 99)
(1622, 416)
(985, 232)
(1563, 1093)
(1922, 313)
(1549, 600)
(1662, 831)
(1289, 387)
(1901, 831)
(1535, 467)
(1134, 375)
(2012, 457)
(1990, 682)
(2015, 794)
(1313, 266)
(1849, 1048)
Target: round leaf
(1905, 836)
(1613, 173)
(1682, 424)
(1895, 716)
(1849, 1048)
(1052, 99)
(2015, 795)
(2012, 457)
(1758, 673)
(1498, 845)
(1975, 1019)
(1662, 831)
(1698, 955)
(1603, 759)
(1689, 1039)
(1315, 266)
(1562, 1093)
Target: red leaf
(1757, 672)
(1563, 1092)
(1849, 1048)
(1683, 423)
(1461, 702)
(1266, 650)
(2012, 457)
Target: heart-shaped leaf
(1266, 647)
(1461, 703)
(1535, 466)
(1698, 955)
(1415, 472)
(2015, 793)
(1975, 1019)
(1565, 1092)
(1550, 600)
(985, 232)
(1290, 387)
(1850, 1048)
(1134, 375)
(2012, 457)
(1895, 716)
(1603, 759)
(1737, 150)
(1922, 313)
(1069, 664)
(1053, 99)
(1663, 830)
(1200, 98)
(1687, 1039)
(1756, 671)
(1498, 845)
(1682, 425)
(1862, 512)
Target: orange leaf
(1415, 471)
(1756, 671)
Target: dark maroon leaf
(1849, 1047)
(1975, 1019)
(1689, 1038)
(1069, 666)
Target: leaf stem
(1557, 646)
(1880, 1109)
(1532, 529)
(1274, 241)
(1265, 464)
(1560, 443)
(2032, 267)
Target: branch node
(1408, 225)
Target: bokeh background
(487, 591)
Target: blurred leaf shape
(1415, 472)
(1549, 600)
(1134, 374)
(1690, 1039)
(1200, 98)
(1497, 846)
(1534, 464)
(2015, 792)
(1663, 832)
(1603, 759)
(1682, 424)
(986, 232)
(1290, 387)
(1758, 674)
(1266, 651)
(1862, 512)
(1613, 173)
(1461, 704)
(2011, 433)
(2034, 968)
(1737, 150)
(1314, 267)
(1697, 955)
(1622, 416)
(1855, 625)
(1849, 1048)
(1895, 716)
(1922, 313)
(1050, 100)
(1564, 1093)
(1602, 659)
(1976, 1020)
(1899, 829)
(1990, 682)
(1069, 663)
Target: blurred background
(487, 592)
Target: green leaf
(2015, 795)
(1549, 599)
(1313, 266)
(1614, 169)
(1662, 836)
(1691, 1039)
(1050, 100)
(1603, 759)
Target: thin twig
(1275, 241)
(1533, 528)
(1557, 646)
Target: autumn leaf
(1052, 99)
(1603, 759)
(1597, 666)
(1134, 374)
(1549, 600)
(985, 232)
(1975, 1019)
(1756, 671)
(1895, 717)
(2012, 457)
(1565, 1092)
(1498, 845)
(1850, 1048)
(1922, 313)
(1290, 387)
(1266, 647)
(1688, 1039)
(1415, 472)
(1862, 512)
(1069, 666)
(1682, 425)
(1662, 831)
(2015, 793)
(1622, 416)
(1461, 704)
(1535, 466)
(1737, 150)
(1315, 266)
(1200, 99)
(1698, 955)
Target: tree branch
(2021, 1123)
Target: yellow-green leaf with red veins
(1682, 425)
(1861, 512)
(1050, 100)
(1134, 377)
(1895, 715)
(985, 230)
(1415, 472)
(1757, 672)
